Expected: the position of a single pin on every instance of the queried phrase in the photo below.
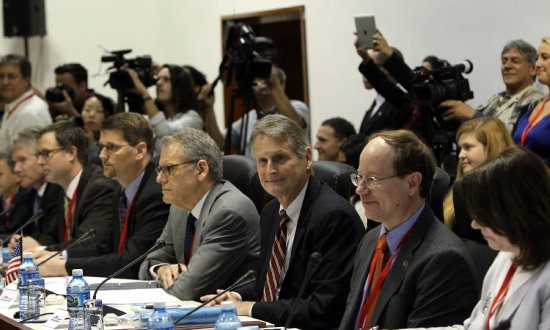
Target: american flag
(13, 268)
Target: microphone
(39, 214)
(86, 236)
(248, 277)
(312, 265)
(7, 210)
(158, 245)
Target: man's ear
(415, 179)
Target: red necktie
(381, 250)
(277, 260)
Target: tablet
(365, 28)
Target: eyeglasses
(47, 153)
(371, 182)
(110, 148)
(166, 169)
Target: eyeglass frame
(47, 153)
(356, 180)
(117, 147)
(167, 169)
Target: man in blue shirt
(420, 274)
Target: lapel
(311, 193)
(204, 217)
(367, 253)
(404, 258)
(374, 121)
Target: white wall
(189, 32)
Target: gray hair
(29, 138)
(281, 128)
(524, 48)
(6, 156)
(197, 145)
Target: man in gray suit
(212, 235)
(420, 274)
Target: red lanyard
(374, 291)
(69, 216)
(530, 125)
(18, 104)
(501, 293)
(123, 235)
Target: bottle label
(77, 299)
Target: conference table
(127, 297)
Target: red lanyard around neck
(18, 104)
(530, 125)
(501, 293)
(69, 216)
(123, 234)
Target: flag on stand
(13, 268)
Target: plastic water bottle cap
(77, 272)
(159, 304)
(227, 305)
(27, 255)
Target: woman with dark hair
(94, 111)
(508, 200)
(176, 102)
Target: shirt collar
(73, 185)
(12, 104)
(42, 189)
(397, 233)
(196, 211)
(133, 187)
(293, 210)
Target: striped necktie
(277, 259)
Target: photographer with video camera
(176, 102)
(66, 98)
(394, 105)
(518, 74)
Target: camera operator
(392, 107)
(271, 99)
(176, 102)
(518, 74)
(75, 77)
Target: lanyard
(18, 104)
(501, 293)
(69, 216)
(123, 235)
(530, 125)
(374, 291)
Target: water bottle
(228, 319)
(77, 291)
(160, 319)
(36, 294)
(27, 270)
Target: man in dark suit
(421, 274)
(212, 235)
(88, 199)
(31, 175)
(306, 216)
(138, 213)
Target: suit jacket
(328, 224)
(21, 212)
(47, 233)
(145, 222)
(528, 307)
(92, 209)
(226, 243)
(432, 281)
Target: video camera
(120, 79)
(430, 88)
(250, 56)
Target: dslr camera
(55, 94)
(119, 78)
(250, 56)
(430, 88)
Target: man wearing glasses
(411, 271)
(87, 201)
(212, 235)
(138, 213)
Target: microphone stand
(86, 236)
(158, 245)
(34, 217)
(245, 279)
